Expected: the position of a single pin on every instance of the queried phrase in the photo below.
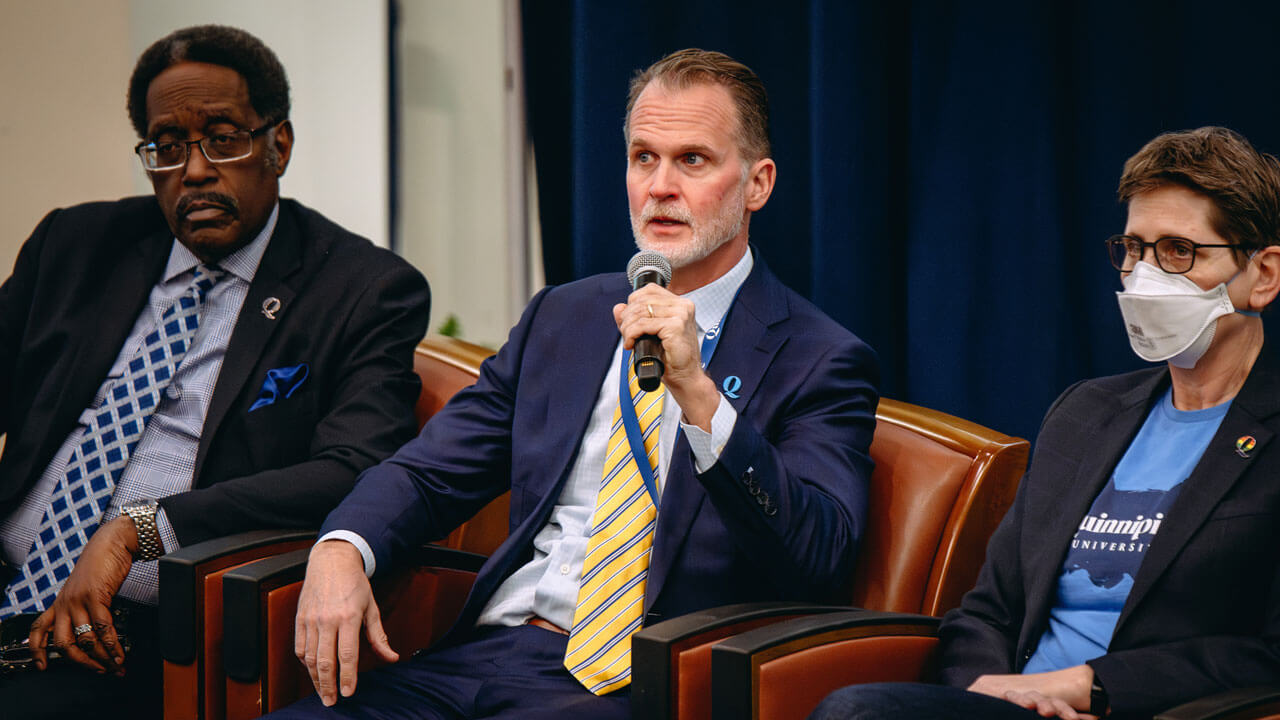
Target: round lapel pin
(1245, 445)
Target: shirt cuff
(168, 538)
(707, 446)
(366, 552)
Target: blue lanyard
(627, 406)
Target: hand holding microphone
(647, 268)
(666, 341)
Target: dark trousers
(912, 701)
(68, 690)
(498, 673)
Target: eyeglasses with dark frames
(1173, 254)
(158, 156)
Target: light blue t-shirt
(1114, 535)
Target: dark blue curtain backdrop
(946, 171)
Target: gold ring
(650, 309)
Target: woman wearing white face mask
(1139, 566)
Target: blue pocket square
(280, 383)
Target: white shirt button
(564, 569)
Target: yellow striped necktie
(611, 595)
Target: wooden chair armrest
(671, 660)
(190, 615)
(784, 670)
(243, 592)
(182, 570)
(1252, 702)
(260, 599)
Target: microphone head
(648, 261)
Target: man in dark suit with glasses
(174, 368)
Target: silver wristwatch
(143, 513)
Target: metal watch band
(144, 520)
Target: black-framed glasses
(1173, 254)
(158, 156)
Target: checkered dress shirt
(163, 463)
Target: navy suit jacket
(778, 517)
(1204, 611)
(351, 311)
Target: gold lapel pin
(270, 307)
(1245, 445)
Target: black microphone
(648, 267)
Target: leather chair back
(445, 366)
(940, 487)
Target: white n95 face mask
(1169, 317)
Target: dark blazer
(779, 515)
(1204, 612)
(351, 311)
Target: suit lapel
(593, 336)
(1105, 442)
(274, 279)
(753, 334)
(1218, 470)
(115, 310)
(103, 325)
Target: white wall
(65, 136)
(455, 163)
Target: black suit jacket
(349, 310)
(1204, 612)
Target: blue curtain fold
(946, 170)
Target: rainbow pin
(1244, 445)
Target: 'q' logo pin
(1245, 444)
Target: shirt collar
(711, 301)
(242, 263)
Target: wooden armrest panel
(180, 573)
(417, 606)
(190, 615)
(671, 660)
(244, 591)
(784, 670)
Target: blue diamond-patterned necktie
(84, 491)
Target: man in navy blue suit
(754, 460)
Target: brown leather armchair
(782, 671)
(191, 578)
(940, 486)
(945, 483)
